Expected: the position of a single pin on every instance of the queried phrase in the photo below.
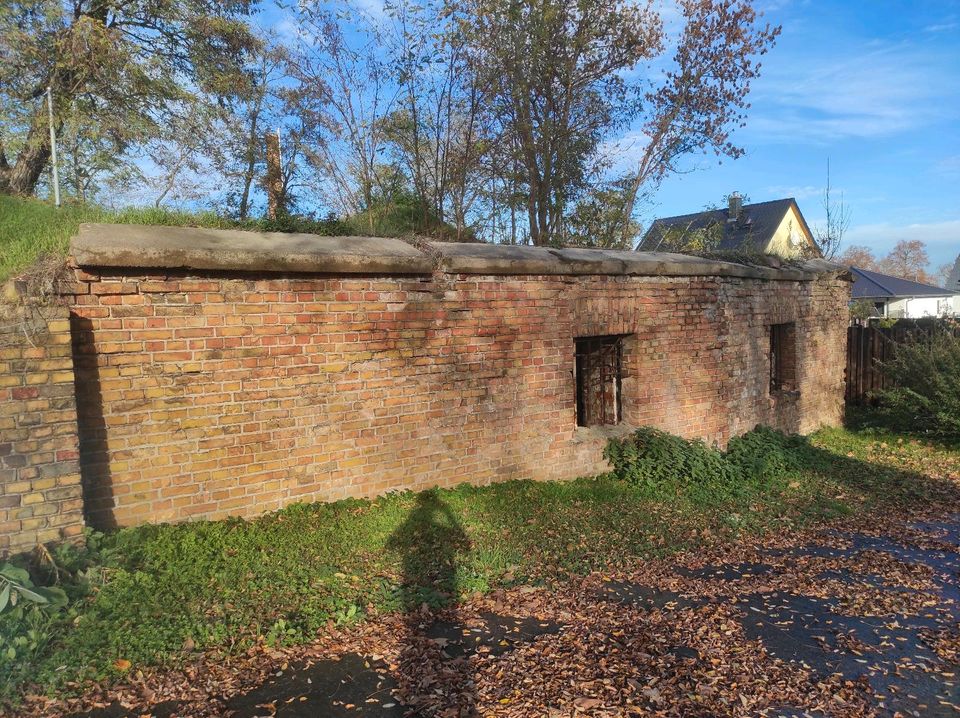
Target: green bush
(765, 454)
(926, 376)
(39, 598)
(659, 461)
(655, 459)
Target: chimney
(735, 205)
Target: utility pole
(53, 150)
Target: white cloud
(946, 232)
(942, 27)
(867, 93)
(949, 166)
(287, 29)
(798, 193)
(374, 9)
(769, 6)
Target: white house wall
(917, 308)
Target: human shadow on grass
(430, 542)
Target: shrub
(26, 613)
(925, 372)
(655, 459)
(765, 454)
(40, 596)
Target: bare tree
(343, 91)
(437, 130)
(908, 259)
(942, 276)
(837, 221)
(704, 95)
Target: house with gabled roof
(899, 298)
(776, 227)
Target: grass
(141, 594)
(31, 228)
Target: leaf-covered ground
(853, 619)
(830, 592)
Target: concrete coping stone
(162, 247)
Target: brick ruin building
(231, 373)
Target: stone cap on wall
(226, 250)
(157, 247)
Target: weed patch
(925, 372)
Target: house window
(783, 357)
(599, 367)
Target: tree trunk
(22, 177)
(4, 168)
(275, 200)
(626, 215)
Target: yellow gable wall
(782, 245)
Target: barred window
(599, 374)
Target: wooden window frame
(599, 380)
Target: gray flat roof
(191, 248)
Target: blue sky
(875, 87)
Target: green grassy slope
(31, 228)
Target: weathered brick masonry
(205, 393)
(40, 496)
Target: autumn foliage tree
(120, 70)
(565, 74)
(703, 97)
(908, 259)
(857, 255)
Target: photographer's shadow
(430, 543)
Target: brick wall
(40, 496)
(215, 395)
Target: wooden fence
(869, 346)
(866, 346)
